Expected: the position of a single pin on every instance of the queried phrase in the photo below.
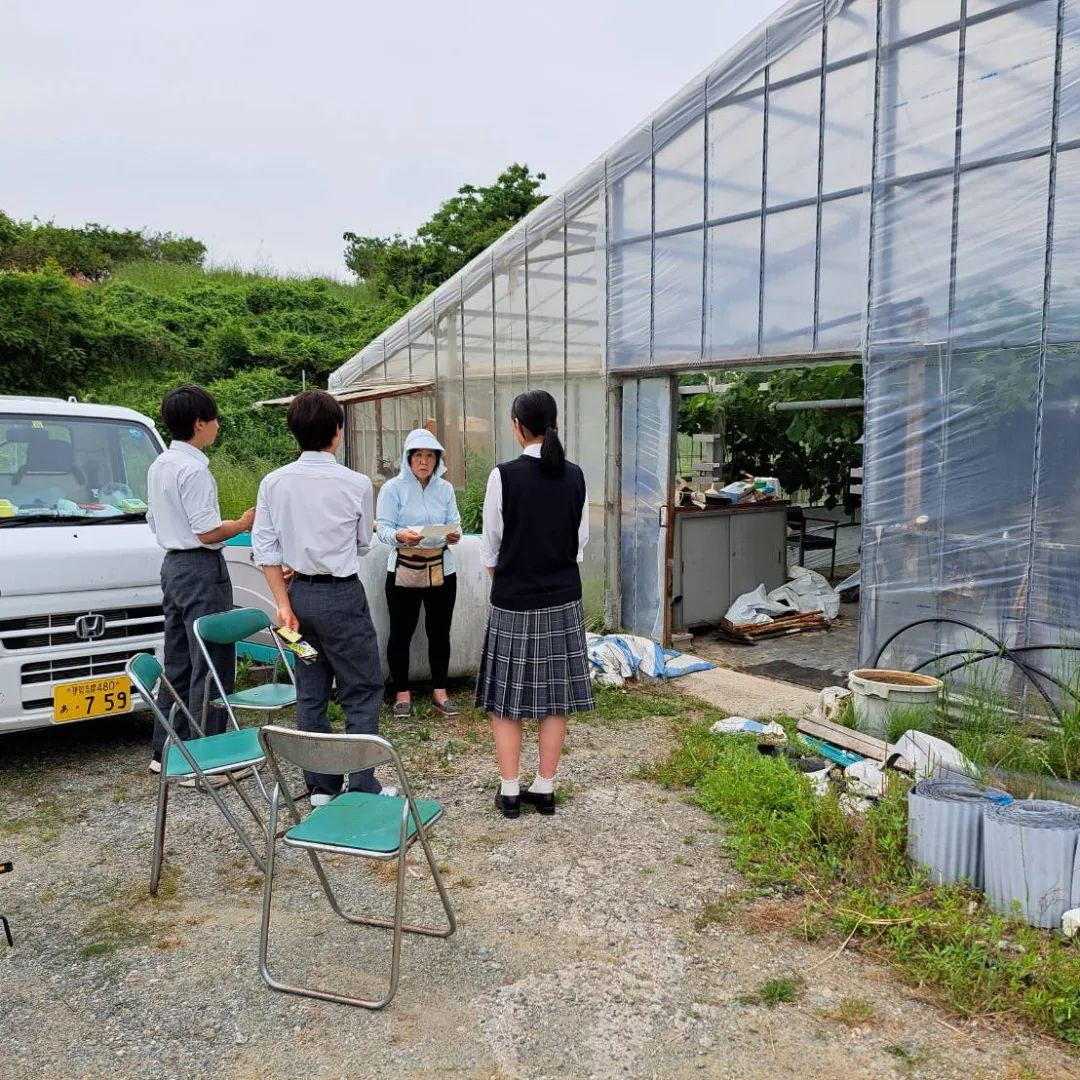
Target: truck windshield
(73, 467)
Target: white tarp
(618, 657)
(806, 591)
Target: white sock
(540, 786)
(510, 788)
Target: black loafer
(508, 805)
(545, 804)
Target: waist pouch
(418, 569)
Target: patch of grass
(565, 793)
(852, 1012)
(773, 992)
(912, 1056)
(681, 860)
(718, 911)
(131, 917)
(850, 877)
(615, 706)
(40, 824)
(465, 882)
(429, 742)
(775, 914)
(845, 714)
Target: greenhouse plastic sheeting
(972, 385)
(647, 436)
(891, 182)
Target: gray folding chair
(355, 823)
(198, 758)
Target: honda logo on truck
(89, 627)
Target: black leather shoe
(545, 804)
(508, 805)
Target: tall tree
(458, 231)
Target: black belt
(324, 579)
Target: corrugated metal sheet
(1029, 858)
(945, 828)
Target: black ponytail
(537, 413)
(552, 454)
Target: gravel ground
(582, 950)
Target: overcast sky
(267, 129)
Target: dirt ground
(613, 940)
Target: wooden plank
(868, 746)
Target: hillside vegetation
(121, 316)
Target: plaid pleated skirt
(534, 663)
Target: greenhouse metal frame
(889, 182)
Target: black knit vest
(537, 565)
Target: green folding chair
(356, 823)
(199, 759)
(230, 628)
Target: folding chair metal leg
(259, 781)
(390, 924)
(246, 799)
(397, 924)
(232, 820)
(264, 937)
(159, 826)
(433, 866)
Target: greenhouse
(894, 183)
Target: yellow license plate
(106, 696)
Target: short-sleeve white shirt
(182, 498)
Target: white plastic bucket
(878, 693)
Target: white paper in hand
(438, 532)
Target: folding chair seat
(200, 758)
(355, 823)
(230, 628)
(214, 752)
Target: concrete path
(747, 695)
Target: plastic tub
(879, 693)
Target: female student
(420, 571)
(534, 664)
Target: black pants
(193, 583)
(335, 620)
(404, 605)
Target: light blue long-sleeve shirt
(405, 503)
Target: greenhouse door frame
(642, 422)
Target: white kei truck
(79, 568)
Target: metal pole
(1040, 399)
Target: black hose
(1001, 651)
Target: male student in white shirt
(184, 516)
(315, 516)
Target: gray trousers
(335, 620)
(194, 583)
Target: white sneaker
(320, 799)
(390, 791)
(155, 765)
